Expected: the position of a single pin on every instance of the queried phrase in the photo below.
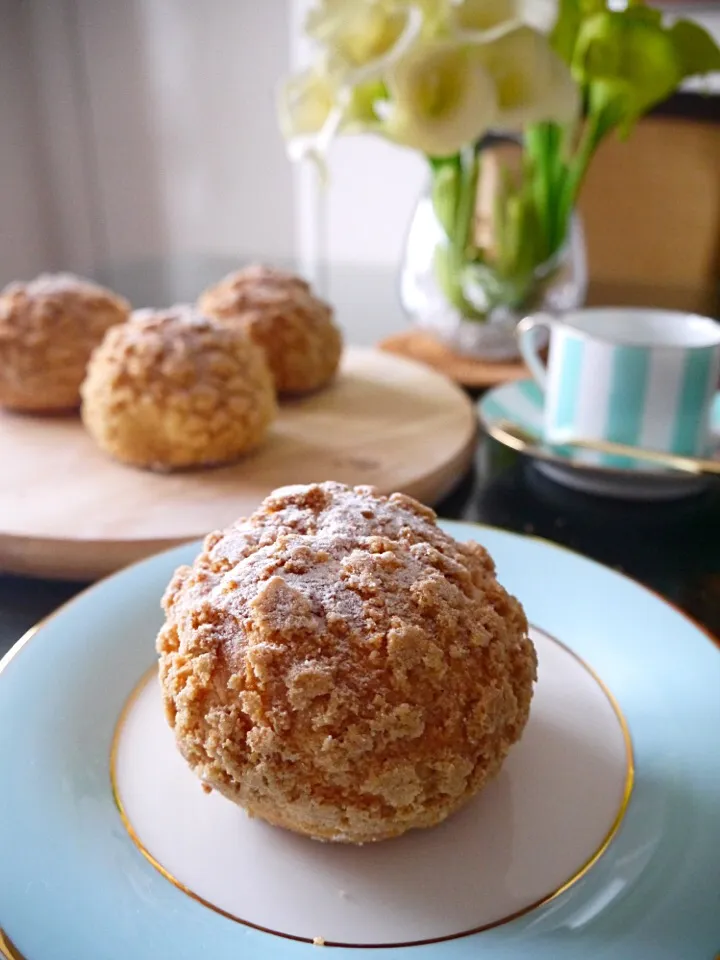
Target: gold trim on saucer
(494, 429)
(582, 870)
(696, 466)
(8, 950)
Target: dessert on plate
(284, 317)
(48, 329)
(340, 666)
(172, 389)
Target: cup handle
(527, 343)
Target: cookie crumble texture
(173, 389)
(282, 315)
(48, 330)
(340, 666)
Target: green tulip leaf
(640, 13)
(696, 50)
(564, 33)
(631, 57)
(590, 7)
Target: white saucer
(533, 833)
(522, 403)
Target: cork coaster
(467, 371)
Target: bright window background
(146, 129)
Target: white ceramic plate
(563, 856)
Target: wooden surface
(66, 510)
(475, 374)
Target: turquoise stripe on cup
(626, 402)
(688, 433)
(568, 394)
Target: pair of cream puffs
(166, 389)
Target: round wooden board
(68, 511)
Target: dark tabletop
(672, 547)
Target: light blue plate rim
(521, 402)
(74, 887)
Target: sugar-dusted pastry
(340, 666)
(48, 329)
(283, 316)
(172, 389)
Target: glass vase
(473, 303)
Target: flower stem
(595, 129)
(469, 166)
(454, 191)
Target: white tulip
(383, 69)
(304, 103)
(539, 14)
(441, 98)
(484, 20)
(533, 83)
(311, 108)
(362, 38)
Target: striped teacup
(640, 377)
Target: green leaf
(590, 7)
(641, 13)
(627, 61)
(696, 50)
(611, 105)
(565, 31)
(597, 48)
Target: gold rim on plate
(8, 950)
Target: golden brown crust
(48, 330)
(340, 666)
(282, 315)
(172, 389)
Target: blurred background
(140, 145)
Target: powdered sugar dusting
(181, 316)
(315, 537)
(339, 665)
(281, 314)
(172, 388)
(48, 330)
(47, 284)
